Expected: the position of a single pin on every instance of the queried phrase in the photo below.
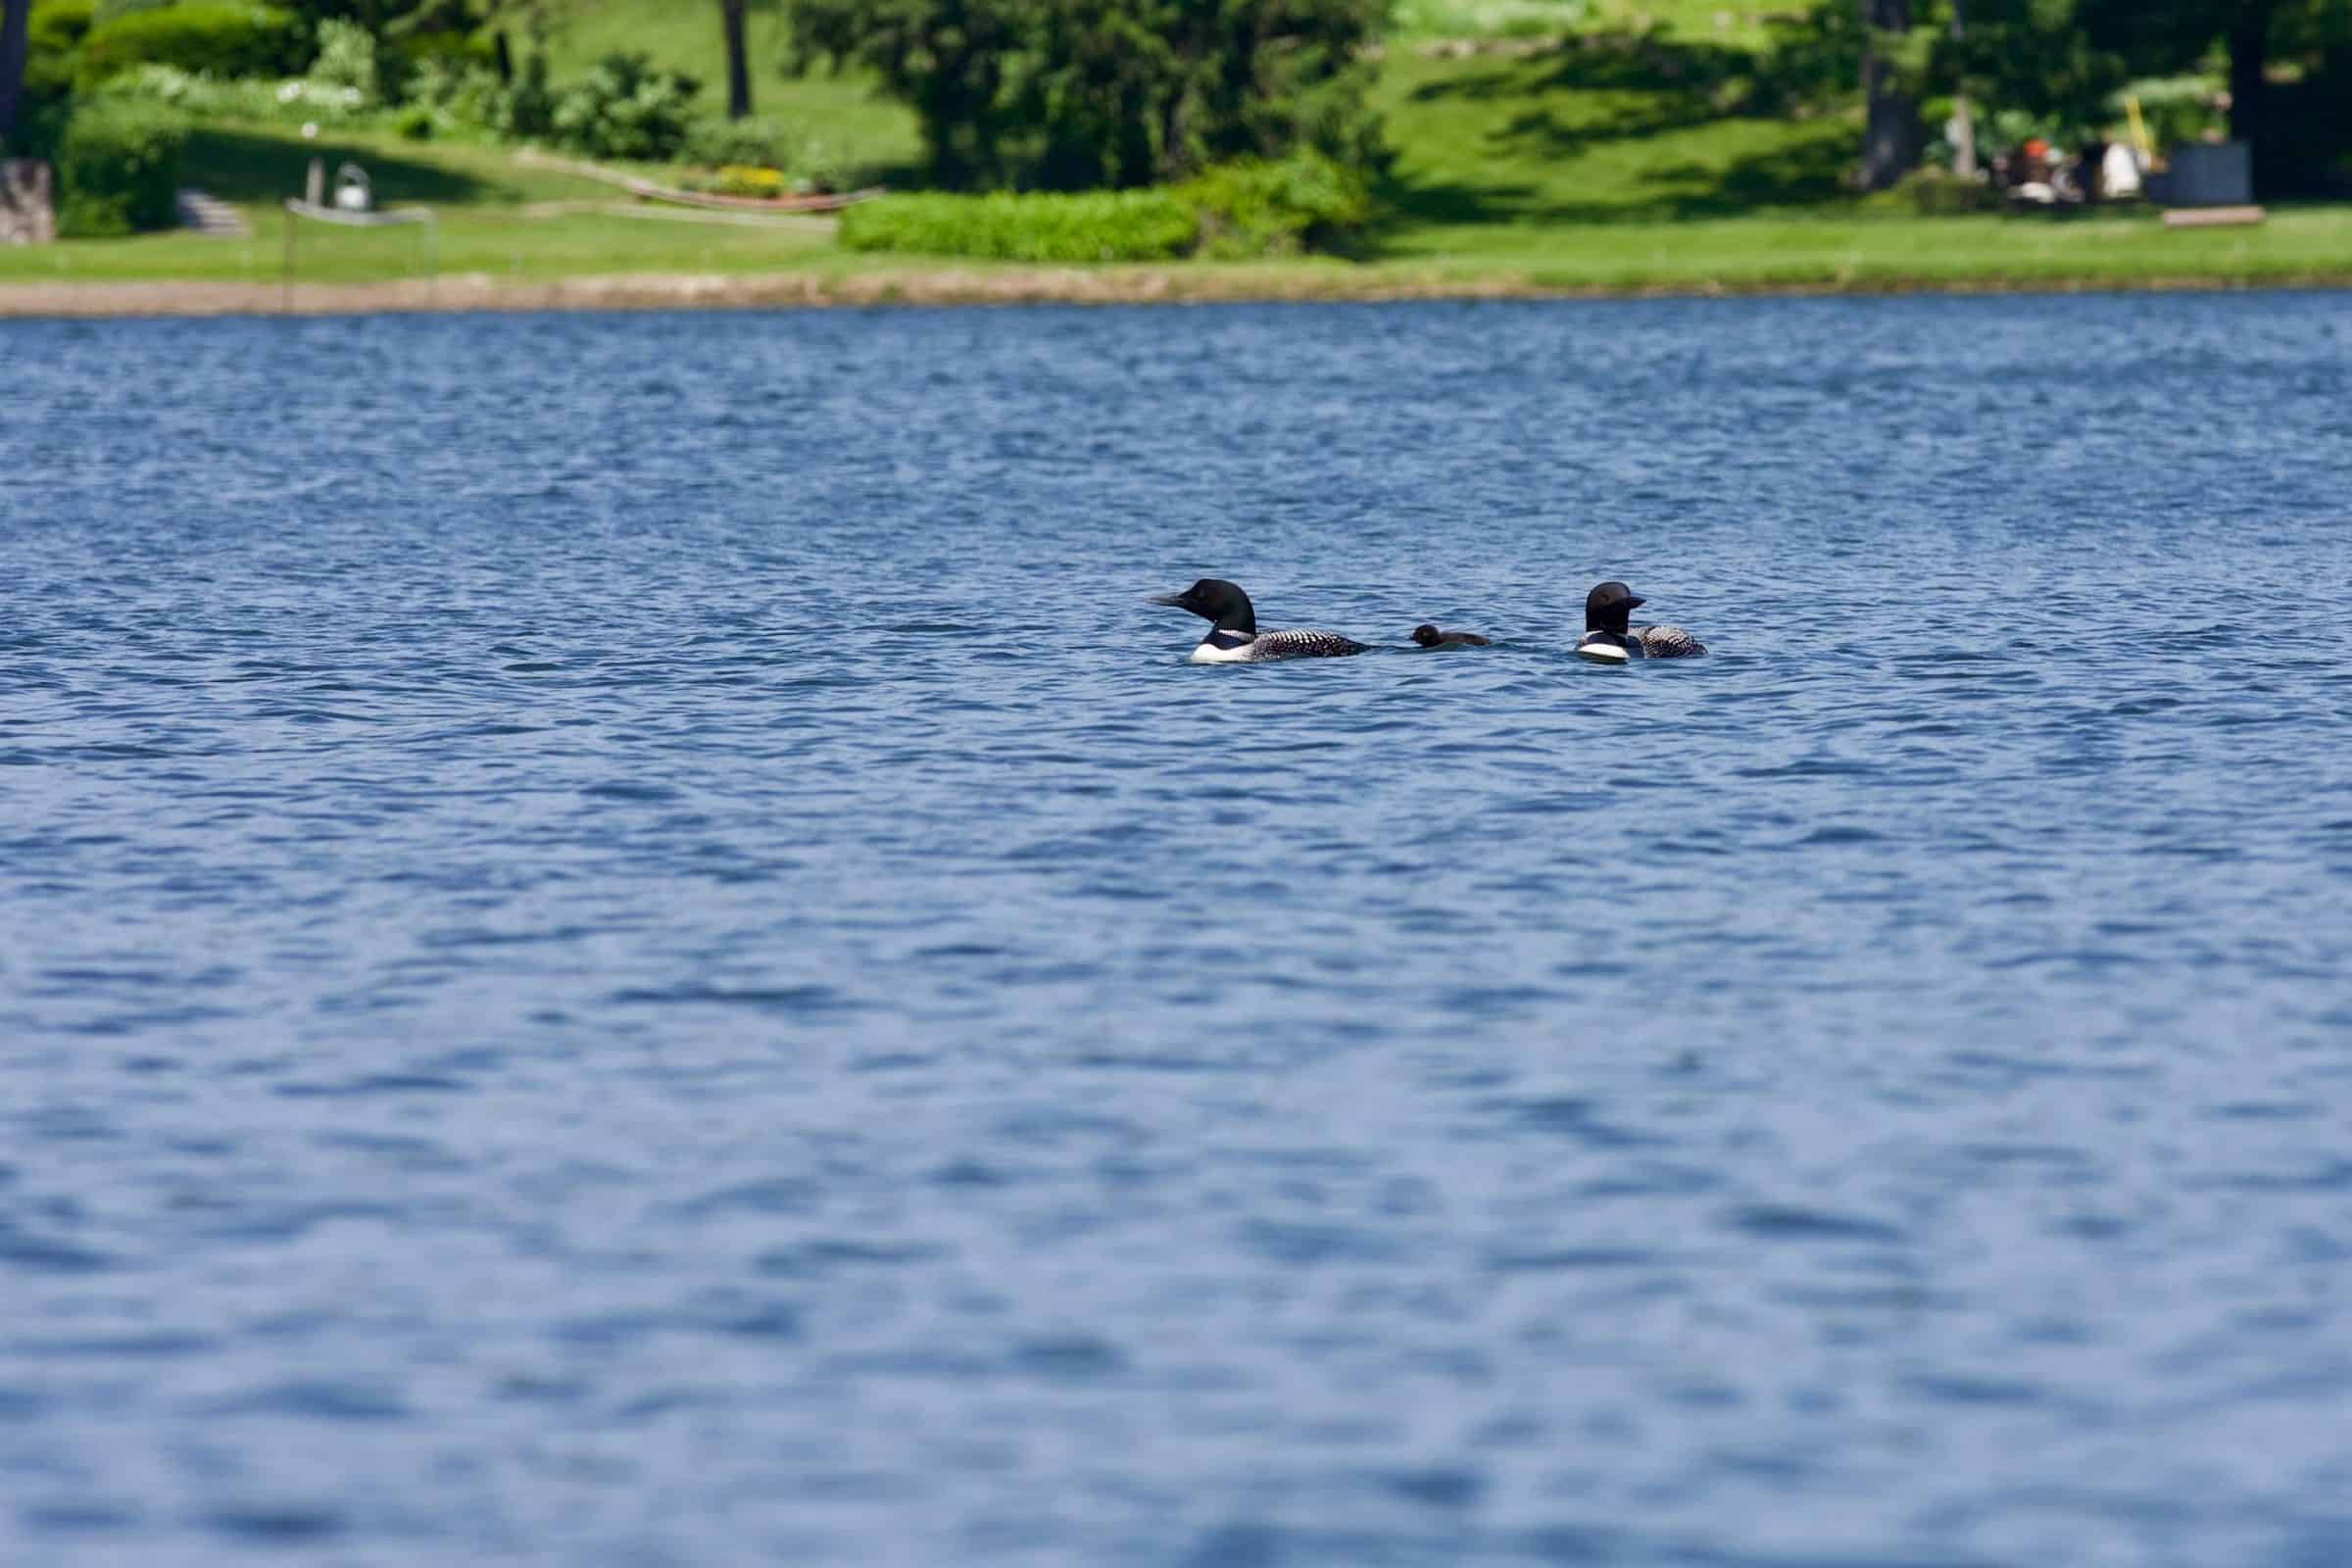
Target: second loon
(1609, 640)
(1234, 638)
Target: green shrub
(106, 11)
(56, 26)
(716, 144)
(1135, 226)
(527, 108)
(118, 168)
(448, 45)
(227, 41)
(347, 58)
(820, 165)
(455, 91)
(293, 102)
(1253, 207)
(625, 107)
(1236, 209)
(1938, 194)
(406, 61)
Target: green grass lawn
(1769, 251)
(482, 198)
(468, 241)
(1596, 134)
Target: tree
(2154, 37)
(739, 67)
(1891, 139)
(1072, 94)
(2063, 64)
(2032, 56)
(15, 16)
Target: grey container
(2210, 173)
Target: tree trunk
(1890, 141)
(2249, 56)
(1964, 116)
(13, 15)
(739, 64)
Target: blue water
(622, 940)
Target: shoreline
(475, 292)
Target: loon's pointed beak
(1635, 602)
(1172, 601)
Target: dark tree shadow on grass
(1665, 86)
(1411, 203)
(1801, 174)
(240, 166)
(1807, 172)
(1546, 134)
(1620, 61)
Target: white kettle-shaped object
(351, 189)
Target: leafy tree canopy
(1075, 94)
(2067, 58)
(2063, 64)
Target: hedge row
(1253, 207)
(1128, 225)
(1239, 210)
(227, 41)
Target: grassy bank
(1607, 164)
(481, 256)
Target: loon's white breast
(1225, 647)
(1599, 648)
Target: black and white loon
(1429, 636)
(1235, 639)
(1608, 640)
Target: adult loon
(1608, 640)
(1430, 637)
(1235, 639)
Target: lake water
(622, 940)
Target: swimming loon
(1430, 637)
(1608, 640)
(1235, 638)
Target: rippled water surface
(622, 943)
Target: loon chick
(1608, 640)
(1430, 637)
(1234, 639)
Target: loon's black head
(1607, 607)
(1426, 635)
(1215, 599)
